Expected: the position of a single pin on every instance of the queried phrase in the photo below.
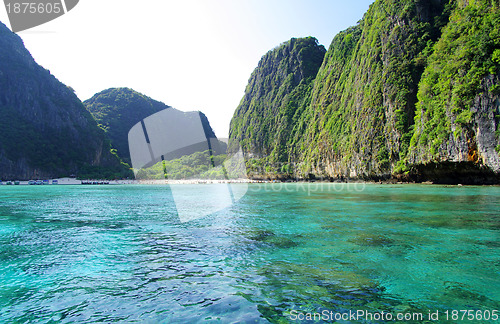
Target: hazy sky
(190, 54)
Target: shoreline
(100, 182)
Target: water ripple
(119, 253)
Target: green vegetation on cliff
(360, 115)
(45, 131)
(199, 165)
(116, 110)
(364, 96)
(467, 53)
(277, 89)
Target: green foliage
(103, 172)
(285, 168)
(365, 92)
(199, 165)
(44, 128)
(117, 110)
(467, 52)
(496, 56)
(495, 90)
(464, 117)
(277, 91)
(383, 157)
(401, 167)
(388, 91)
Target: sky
(189, 54)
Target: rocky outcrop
(412, 87)
(45, 131)
(363, 100)
(470, 156)
(486, 110)
(457, 114)
(117, 110)
(276, 91)
(475, 143)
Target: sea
(282, 253)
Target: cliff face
(364, 96)
(465, 152)
(45, 131)
(401, 75)
(486, 112)
(117, 110)
(458, 109)
(276, 91)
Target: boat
(9, 183)
(39, 182)
(17, 183)
(32, 182)
(55, 181)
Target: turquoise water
(119, 253)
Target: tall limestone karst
(458, 110)
(363, 100)
(117, 110)
(274, 97)
(45, 131)
(412, 87)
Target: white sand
(74, 181)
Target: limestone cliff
(412, 87)
(45, 131)
(117, 110)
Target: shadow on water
(309, 289)
(270, 238)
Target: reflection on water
(119, 253)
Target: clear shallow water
(120, 254)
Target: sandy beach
(74, 181)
